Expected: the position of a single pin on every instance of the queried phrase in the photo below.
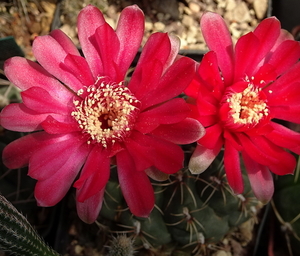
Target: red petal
(135, 186)
(218, 39)
(209, 73)
(65, 42)
(165, 156)
(180, 74)
(78, 66)
(287, 166)
(50, 54)
(267, 32)
(233, 168)
(193, 109)
(39, 100)
(17, 117)
(17, 153)
(208, 106)
(52, 126)
(184, 132)
(260, 178)
(266, 74)
(212, 136)
(175, 46)
(50, 191)
(193, 89)
(207, 121)
(89, 19)
(158, 47)
(109, 46)
(247, 56)
(289, 97)
(172, 111)
(143, 81)
(207, 103)
(288, 113)
(283, 83)
(141, 154)
(254, 151)
(203, 157)
(234, 141)
(94, 175)
(156, 52)
(284, 137)
(283, 36)
(130, 31)
(267, 153)
(88, 211)
(285, 56)
(285, 104)
(53, 158)
(34, 75)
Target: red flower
(84, 113)
(240, 90)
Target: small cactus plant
(121, 246)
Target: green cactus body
(16, 234)
(146, 230)
(113, 199)
(219, 197)
(287, 208)
(191, 215)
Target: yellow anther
(107, 113)
(247, 107)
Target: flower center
(248, 106)
(106, 113)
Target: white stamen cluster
(105, 112)
(247, 107)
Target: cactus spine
(192, 214)
(17, 236)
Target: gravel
(177, 17)
(26, 19)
